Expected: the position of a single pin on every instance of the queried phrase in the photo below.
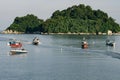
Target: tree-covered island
(75, 19)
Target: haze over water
(60, 57)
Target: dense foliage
(75, 19)
(81, 18)
(27, 24)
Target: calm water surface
(60, 57)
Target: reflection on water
(60, 57)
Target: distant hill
(26, 24)
(75, 19)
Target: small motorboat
(16, 47)
(110, 43)
(15, 44)
(84, 45)
(36, 41)
(18, 51)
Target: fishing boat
(84, 44)
(36, 41)
(15, 44)
(16, 47)
(110, 43)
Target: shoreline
(69, 33)
(61, 33)
(79, 34)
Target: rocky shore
(11, 32)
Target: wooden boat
(84, 45)
(18, 51)
(36, 41)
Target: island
(78, 19)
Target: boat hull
(18, 51)
(35, 43)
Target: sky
(43, 9)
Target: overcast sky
(43, 9)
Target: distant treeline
(75, 19)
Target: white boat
(18, 51)
(36, 41)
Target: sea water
(60, 57)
